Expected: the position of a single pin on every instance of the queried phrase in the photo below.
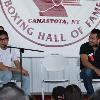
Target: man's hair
(73, 92)
(95, 95)
(96, 31)
(12, 92)
(58, 93)
(2, 32)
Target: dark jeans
(87, 75)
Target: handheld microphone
(8, 46)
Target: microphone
(8, 46)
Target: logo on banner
(52, 7)
(52, 23)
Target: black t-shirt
(93, 57)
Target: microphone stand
(22, 51)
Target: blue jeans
(6, 77)
(87, 75)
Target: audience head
(73, 92)
(58, 93)
(95, 95)
(1, 28)
(12, 92)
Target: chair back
(52, 69)
(54, 62)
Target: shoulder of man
(86, 44)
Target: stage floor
(38, 96)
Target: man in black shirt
(90, 60)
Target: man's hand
(97, 71)
(25, 72)
(18, 68)
(4, 68)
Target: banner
(55, 26)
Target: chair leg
(79, 83)
(68, 82)
(42, 92)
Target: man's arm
(86, 63)
(3, 67)
(18, 68)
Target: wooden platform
(38, 96)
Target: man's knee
(87, 73)
(25, 78)
(8, 74)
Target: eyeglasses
(4, 39)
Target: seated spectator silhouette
(73, 92)
(53, 8)
(1, 28)
(95, 95)
(10, 91)
(58, 93)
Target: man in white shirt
(7, 71)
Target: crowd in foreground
(72, 92)
(11, 91)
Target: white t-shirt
(8, 56)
